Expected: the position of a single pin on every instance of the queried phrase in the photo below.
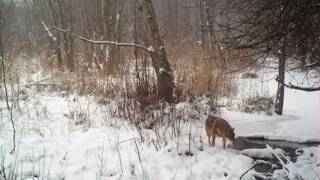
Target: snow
(306, 167)
(151, 49)
(261, 153)
(300, 121)
(53, 145)
(161, 47)
(48, 31)
(73, 137)
(161, 70)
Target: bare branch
(112, 43)
(291, 86)
(258, 162)
(48, 31)
(306, 66)
(41, 20)
(192, 5)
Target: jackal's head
(231, 134)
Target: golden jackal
(217, 126)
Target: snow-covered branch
(48, 31)
(112, 43)
(41, 20)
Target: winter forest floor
(63, 136)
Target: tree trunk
(215, 45)
(67, 40)
(282, 61)
(281, 78)
(114, 33)
(58, 52)
(227, 20)
(159, 56)
(70, 53)
(57, 44)
(202, 25)
(176, 19)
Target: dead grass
(198, 73)
(134, 88)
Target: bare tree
(57, 42)
(159, 56)
(282, 58)
(157, 52)
(269, 26)
(66, 16)
(211, 23)
(5, 10)
(113, 16)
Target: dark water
(288, 147)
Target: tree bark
(282, 61)
(114, 60)
(159, 56)
(215, 45)
(57, 44)
(281, 78)
(67, 40)
(202, 25)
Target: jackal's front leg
(209, 142)
(224, 142)
(213, 140)
(209, 136)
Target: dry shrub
(258, 103)
(197, 73)
(241, 59)
(249, 75)
(133, 88)
(146, 93)
(47, 64)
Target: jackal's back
(219, 125)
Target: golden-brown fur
(217, 126)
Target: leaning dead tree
(159, 56)
(157, 51)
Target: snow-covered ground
(300, 121)
(52, 146)
(72, 137)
